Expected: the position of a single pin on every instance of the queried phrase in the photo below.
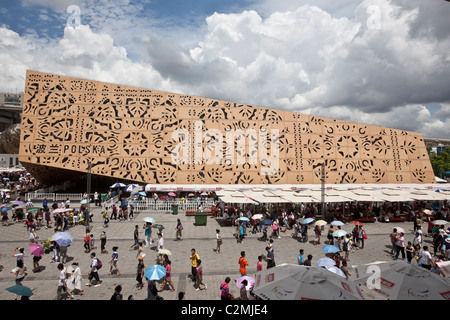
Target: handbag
(364, 236)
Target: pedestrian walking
(410, 252)
(131, 215)
(103, 242)
(117, 295)
(218, 240)
(225, 290)
(393, 237)
(345, 270)
(426, 258)
(178, 230)
(199, 276)
(308, 261)
(400, 245)
(346, 246)
(160, 243)
(114, 260)
(135, 237)
(243, 263)
(55, 249)
(63, 254)
(20, 271)
(114, 212)
(105, 219)
(259, 266)
(194, 257)
(140, 270)
(241, 232)
(270, 258)
(140, 251)
(243, 290)
(62, 284)
(36, 266)
(87, 243)
(20, 253)
(318, 233)
(361, 236)
(167, 279)
(152, 290)
(330, 235)
(47, 219)
(300, 256)
(93, 272)
(75, 279)
(148, 233)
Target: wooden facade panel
(153, 136)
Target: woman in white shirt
(75, 278)
(20, 271)
(426, 258)
(219, 240)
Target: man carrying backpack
(93, 273)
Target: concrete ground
(216, 266)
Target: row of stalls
(334, 197)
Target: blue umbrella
(142, 193)
(307, 220)
(62, 238)
(20, 290)
(130, 187)
(330, 249)
(266, 221)
(117, 185)
(155, 272)
(243, 219)
(337, 223)
(6, 209)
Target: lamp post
(322, 198)
(88, 191)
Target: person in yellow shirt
(194, 258)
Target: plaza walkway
(216, 266)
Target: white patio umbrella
(294, 282)
(117, 185)
(336, 270)
(130, 187)
(149, 219)
(325, 262)
(400, 280)
(339, 233)
(257, 216)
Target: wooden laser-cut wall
(126, 133)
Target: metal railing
(166, 205)
(53, 196)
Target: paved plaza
(216, 266)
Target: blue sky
(381, 62)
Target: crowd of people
(272, 224)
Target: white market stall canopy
(313, 193)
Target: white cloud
(328, 59)
(80, 53)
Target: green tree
(441, 162)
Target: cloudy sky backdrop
(381, 62)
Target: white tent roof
(427, 195)
(231, 199)
(392, 195)
(262, 196)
